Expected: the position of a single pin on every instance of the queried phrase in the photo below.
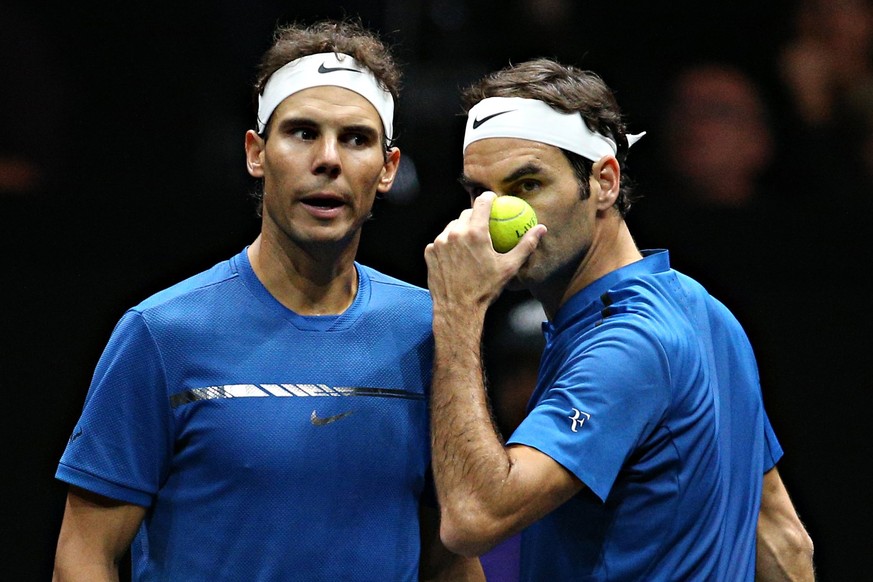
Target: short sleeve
(772, 449)
(122, 443)
(601, 404)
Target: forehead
(329, 105)
(494, 159)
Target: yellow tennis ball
(511, 217)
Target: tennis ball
(511, 217)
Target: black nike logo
(319, 421)
(323, 69)
(76, 434)
(478, 122)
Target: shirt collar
(653, 261)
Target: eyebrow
(525, 170)
(296, 121)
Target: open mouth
(323, 202)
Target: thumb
(529, 242)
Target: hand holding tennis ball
(511, 217)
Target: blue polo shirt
(649, 393)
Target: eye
(304, 133)
(526, 187)
(358, 139)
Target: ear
(255, 154)
(606, 173)
(389, 171)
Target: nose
(327, 158)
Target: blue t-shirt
(266, 445)
(649, 393)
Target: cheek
(564, 213)
(571, 229)
(366, 171)
(283, 165)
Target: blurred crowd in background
(122, 171)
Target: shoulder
(708, 311)
(391, 286)
(641, 322)
(397, 302)
(200, 300)
(623, 345)
(208, 281)
(636, 340)
(380, 278)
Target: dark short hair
(570, 90)
(293, 41)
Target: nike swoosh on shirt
(323, 69)
(319, 421)
(76, 434)
(478, 122)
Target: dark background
(135, 112)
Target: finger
(465, 216)
(529, 242)
(448, 228)
(481, 211)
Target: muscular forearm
(81, 571)
(486, 492)
(470, 463)
(784, 557)
(95, 534)
(784, 550)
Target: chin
(532, 274)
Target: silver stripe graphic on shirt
(285, 390)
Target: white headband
(535, 120)
(325, 69)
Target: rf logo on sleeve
(577, 419)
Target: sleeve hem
(101, 486)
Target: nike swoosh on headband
(535, 120)
(323, 69)
(312, 71)
(478, 122)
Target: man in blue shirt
(646, 453)
(267, 419)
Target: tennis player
(646, 453)
(268, 419)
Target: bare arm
(487, 492)
(438, 564)
(95, 533)
(784, 547)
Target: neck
(305, 283)
(611, 249)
